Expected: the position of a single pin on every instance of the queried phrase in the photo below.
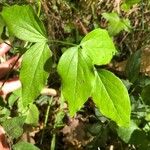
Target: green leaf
(146, 94)
(31, 112)
(127, 83)
(14, 97)
(140, 139)
(125, 133)
(95, 129)
(116, 24)
(24, 146)
(127, 4)
(98, 46)
(4, 114)
(111, 97)
(133, 66)
(59, 119)
(32, 115)
(23, 23)
(34, 71)
(14, 126)
(76, 71)
(132, 2)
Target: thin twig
(12, 67)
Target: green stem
(53, 141)
(62, 42)
(39, 8)
(46, 118)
